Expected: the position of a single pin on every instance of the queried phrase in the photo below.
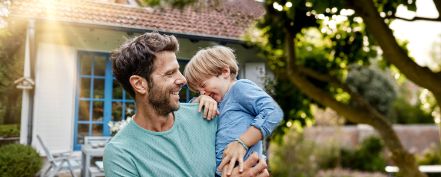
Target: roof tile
(228, 21)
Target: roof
(229, 20)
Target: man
(165, 138)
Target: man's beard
(160, 101)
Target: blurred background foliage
(12, 35)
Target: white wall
(256, 73)
(54, 96)
(56, 79)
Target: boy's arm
(258, 102)
(195, 99)
(209, 104)
(268, 116)
(251, 136)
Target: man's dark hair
(137, 56)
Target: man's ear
(139, 84)
(226, 72)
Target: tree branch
(438, 7)
(417, 18)
(337, 83)
(323, 77)
(296, 77)
(422, 76)
(291, 61)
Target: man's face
(167, 81)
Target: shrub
(374, 85)
(19, 161)
(9, 130)
(298, 157)
(367, 157)
(432, 156)
(405, 113)
(347, 173)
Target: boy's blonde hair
(210, 62)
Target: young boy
(247, 113)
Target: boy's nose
(201, 92)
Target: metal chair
(58, 161)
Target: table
(87, 153)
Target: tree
(351, 33)
(11, 36)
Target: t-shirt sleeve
(117, 163)
(259, 103)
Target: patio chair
(58, 161)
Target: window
(100, 98)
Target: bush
(432, 156)
(374, 85)
(19, 161)
(9, 130)
(405, 113)
(348, 173)
(298, 157)
(367, 157)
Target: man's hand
(252, 167)
(232, 154)
(210, 106)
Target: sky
(421, 35)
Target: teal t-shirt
(186, 149)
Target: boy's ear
(226, 72)
(139, 84)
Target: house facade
(71, 92)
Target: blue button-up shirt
(244, 105)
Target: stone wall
(415, 138)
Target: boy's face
(216, 86)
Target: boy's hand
(210, 106)
(234, 152)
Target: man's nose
(181, 80)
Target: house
(70, 92)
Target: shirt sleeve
(267, 112)
(117, 163)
